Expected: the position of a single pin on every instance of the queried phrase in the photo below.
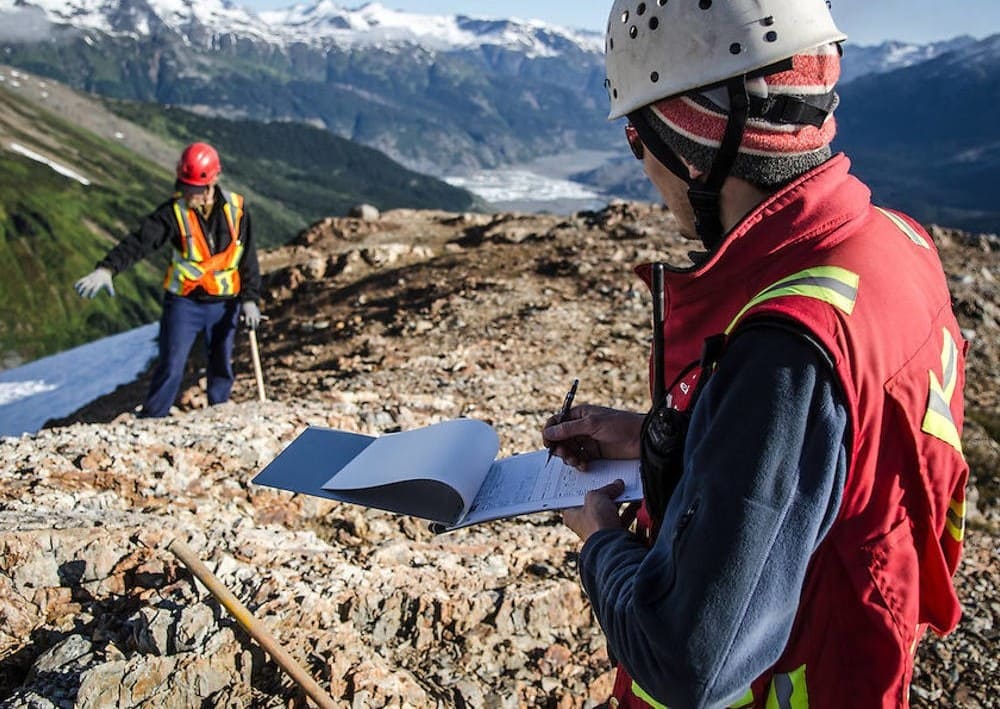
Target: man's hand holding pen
(581, 434)
(589, 433)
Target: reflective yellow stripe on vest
(901, 224)
(193, 264)
(938, 420)
(745, 701)
(831, 284)
(191, 250)
(955, 520)
(233, 203)
(788, 691)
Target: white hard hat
(660, 48)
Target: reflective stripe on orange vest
(194, 266)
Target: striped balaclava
(776, 148)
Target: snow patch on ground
(13, 391)
(56, 386)
(61, 169)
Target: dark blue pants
(182, 320)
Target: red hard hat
(199, 164)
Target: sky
(864, 21)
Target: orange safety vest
(194, 265)
(867, 283)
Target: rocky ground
(376, 326)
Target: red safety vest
(868, 284)
(194, 265)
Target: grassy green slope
(53, 229)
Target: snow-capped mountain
(861, 61)
(143, 17)
(437, 93)
(374, 24)
(923, 137)
(318, 24)
(447, 94)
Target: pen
(564, 411)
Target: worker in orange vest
(212, 282)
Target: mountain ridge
(921, 139)
(470, 94)
(887, 56)
(320, 24)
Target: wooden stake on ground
(243, 616)
(257, 371)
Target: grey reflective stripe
(955, 518)
(783, 690)
(907, 230)
(833, 284)
(937, 404)
(949, 357)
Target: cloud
(27, 24)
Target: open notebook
(447, 473)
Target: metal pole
(257, 371)
(251, 624)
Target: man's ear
(695, 173)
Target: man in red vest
(802, 460)
(212, 279)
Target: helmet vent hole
(771, 36)
(614, 93)
(768, 21)
(641, 10)
(661, 3)
(654, 22)
(735, 48)
(625, 17)
(611, 42)
(705, 4)
(654, 77)
(633, 31)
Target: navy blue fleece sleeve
(710, 606)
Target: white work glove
(251, 315)
(91, 284)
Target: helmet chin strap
(704, 195)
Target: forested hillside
(300, 173)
